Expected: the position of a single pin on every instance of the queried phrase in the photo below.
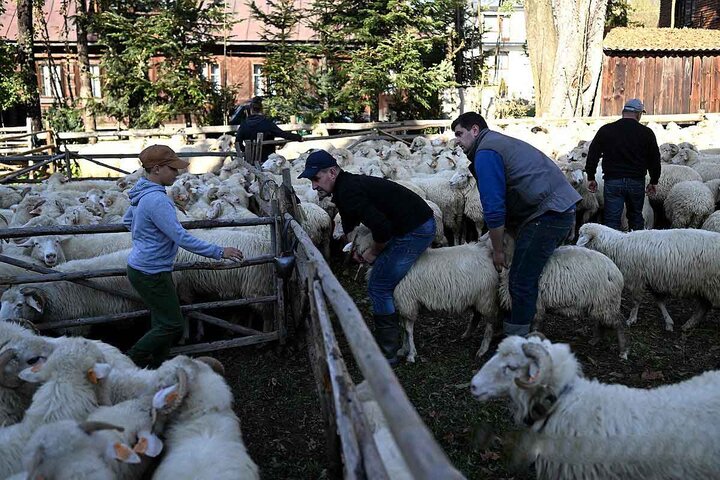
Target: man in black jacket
(628, 150)
(402, 227)
(256, 123)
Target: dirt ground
(277, 403)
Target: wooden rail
(422, 454)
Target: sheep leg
(698, 315)
(411, 341)
(472, 326)
(596, 335)
(487, 337)
(622, 341)
(633, 313)
(660, 301)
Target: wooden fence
(667, 83)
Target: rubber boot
(387, 336)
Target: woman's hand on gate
(232, 253)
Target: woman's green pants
(166, 320)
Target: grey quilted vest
(534, 184)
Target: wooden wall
(667, 84)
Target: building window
(258, 81)
(497, 23)
(211, 73)
(95, 85)
(52, 81)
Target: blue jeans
(394, 262)
(620, 192)
(535, 243)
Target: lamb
(317, 224)
(451, 279)
(15, 395)
(68, 450)
(681, 263)
(202, 429)
(581, 428)
(451, 201)
(72, 382)
(10, 196)
(688, 204)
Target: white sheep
(577, 283)
(72, 382)
(669, 176)
(712, 223)
(317, 224)
(688, 204)
(708, 171)
(202, 429)
(450, 279)
(581, 428)
(682, 263)
(68, 450)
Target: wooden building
(690, 13)
(671, 70)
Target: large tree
(26, 62)
(565, 47)
(174, 38)
(82, 19)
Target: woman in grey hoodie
(156, 235)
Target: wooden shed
(671, 70)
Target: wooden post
(68, 169)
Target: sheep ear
(121, 452)
(165, 397)
(97, 372)
(583, 240)
(33, 374)
(148, 444)
(33, 302)
(347, 248)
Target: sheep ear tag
(120, 451)
(98, 371)
(148, 444)
(165, 397)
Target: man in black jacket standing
(402, 227)
(628, 150)
(256, 123)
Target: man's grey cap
(634, 105)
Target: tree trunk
(542, 45)
(84, 65)
(571, 86)
(26, 59)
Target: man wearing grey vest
(524, 192)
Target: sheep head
(518, 365)
(22, 302)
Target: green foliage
(513, 108)
(11, 85)
(222, 104)
(135, 31)
(65, 118)
(286, 64)
(618, 14)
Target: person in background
(628, 150)
(256, 123)
(156, 236)
(524, 192)
(402, 226)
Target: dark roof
(662, 39)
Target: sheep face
(668, 151)
(25, 302)
(22, 354)
(46, 249)
(589, 233)
(460, 179)
(497, 378)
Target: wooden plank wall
(667, 84)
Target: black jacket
(628, 150)
(255, 124)
(387, 208)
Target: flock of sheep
(187, 404)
